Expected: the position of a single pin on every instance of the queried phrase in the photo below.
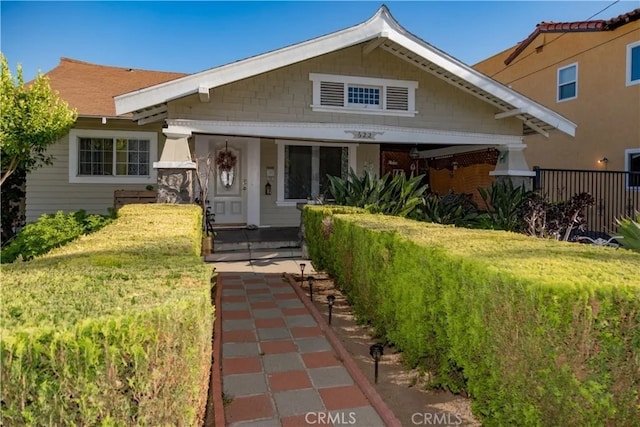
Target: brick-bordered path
(281, 364)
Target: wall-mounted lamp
(413, 153)
(603, 160)
(267, 189)
(454, 167)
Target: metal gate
(616, 193)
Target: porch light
(376, 351)
(330, 301)
(311, 280)
(603, 160)
(413, 153)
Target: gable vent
(397, 98)
(332, 94)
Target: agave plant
(504, 205)
(452, 208)
(630, 232)
(397, 195)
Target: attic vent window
(363, 95)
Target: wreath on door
(226, 160)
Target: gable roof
(379, 31)
(90, 88)
(574, 27)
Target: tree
(32, 117)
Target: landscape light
(311, 280)
(330, 301)
(376, 351)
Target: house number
(357, 134)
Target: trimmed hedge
(112, 329)
(51, 231)
(538, 332)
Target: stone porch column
(176, 170)
(513, 166)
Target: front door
(228, 188)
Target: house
(274, 125)
(589, 72)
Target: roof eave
(377, 26)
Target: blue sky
(195, 36)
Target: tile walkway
(281, 364)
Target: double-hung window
(633, 63)
(632, 164)
(111, 156)
(363, 95)
(304, 167)
(568, 82)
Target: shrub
(504, 204)
(452, 208)
(112, 329)
(538, 332)
(390, 195)
(51, 231)
(555, 220)
(630, 231)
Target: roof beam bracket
(508, 113)
(374, 44)
(203, 92)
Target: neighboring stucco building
(275, 124)
(590, 73)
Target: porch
(247, 244)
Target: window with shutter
(363, 95)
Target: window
(303, 168)
(111, 156)
(568, 82)
(632, 164)
(363, 95)
(633, 63)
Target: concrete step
(249, 255)
(252, 246)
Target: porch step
(219, 246)
(250, 255)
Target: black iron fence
(616, 193)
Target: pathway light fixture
(311, 280)
(376, 351)
(330, 301)
(302, 266)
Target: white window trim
(75, 134)
(575, 64)
(627, 166)
(630, 46)
(281, 201)
(316, 78)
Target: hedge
(538, 332)
(112, 329)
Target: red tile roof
(90, 88)
(580, 26)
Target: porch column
(176, 170)
(513, 166)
